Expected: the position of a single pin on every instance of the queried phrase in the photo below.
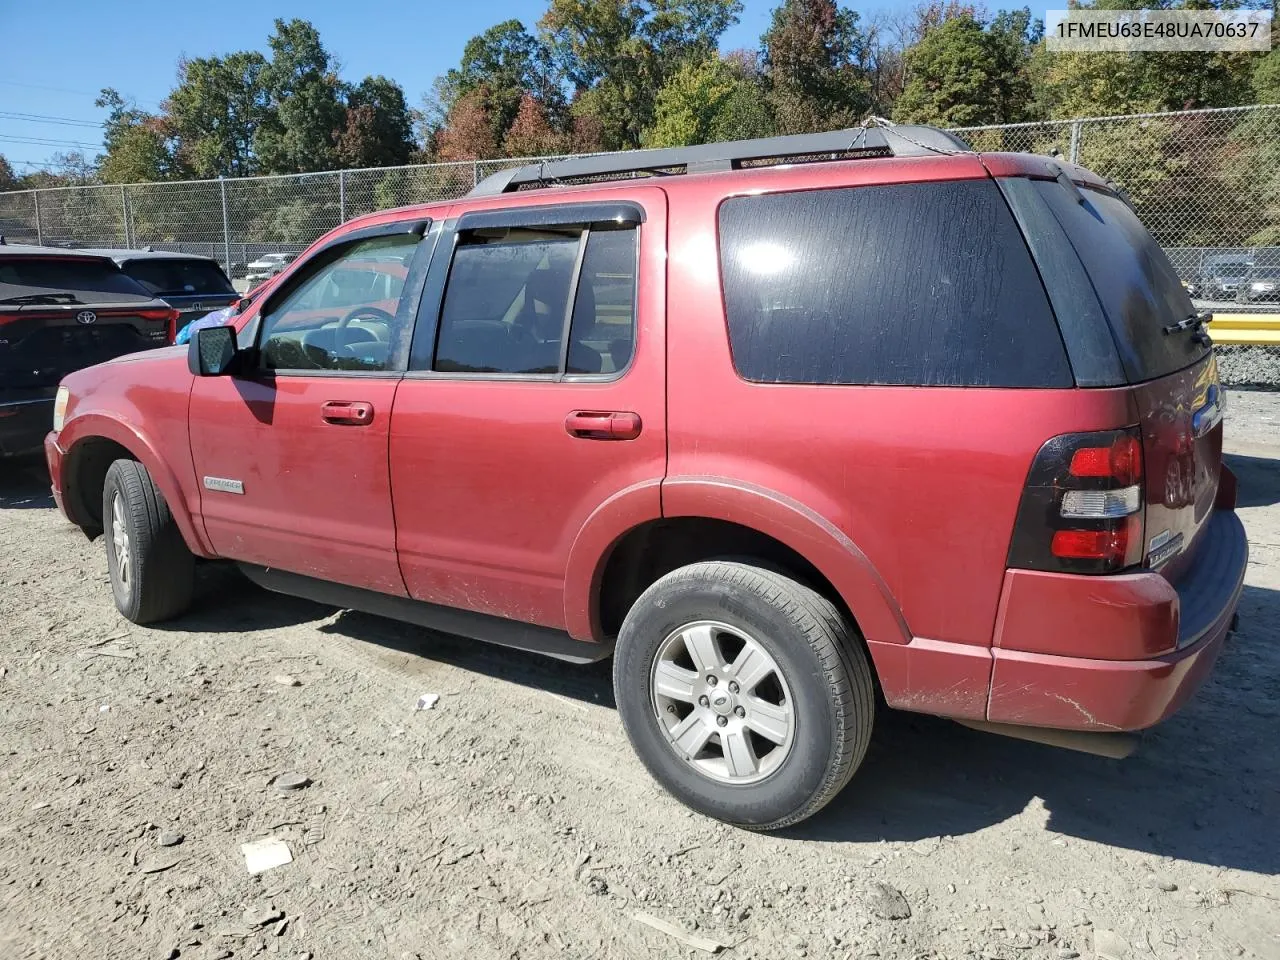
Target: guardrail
(1246, 329)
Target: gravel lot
(511, 820)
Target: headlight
(60, 408)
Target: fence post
(475, 173)
(124, 212)
(39, 226)
(1073, 154)
(342, 196)
(226, 225)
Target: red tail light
(1082, 507)
(170, 316)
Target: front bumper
(54, 455)
(1117, 686)
(23, 424)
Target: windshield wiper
(37, 298)
(1195, 323)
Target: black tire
(159, 572)
(816, 650)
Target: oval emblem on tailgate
(86, 317)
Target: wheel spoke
(674, 681)
(691, 734)
(769, 720)
(751, 666)
(739, 756)
(700, 641)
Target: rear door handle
(354, 413)
(603, 425)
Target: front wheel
(747, 695)
(152, 571)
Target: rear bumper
(23, 424)
(1082, 653)
(1113, 618)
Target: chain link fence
(1205, 182)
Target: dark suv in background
(193, 285)
(62, 310)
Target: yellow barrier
(1261, 329)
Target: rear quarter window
(927, 284)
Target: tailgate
(1181, 422)
(39, 346)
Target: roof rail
(878, 138)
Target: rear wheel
(746, 694)
(152, 571)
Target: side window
(603, 333)
(343, 316)
(510, 299)
(917, 284)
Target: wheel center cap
(722, 702)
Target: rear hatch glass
(179, 277)
(1138, 287)
(1174, 376)
(58, 315)
(87, 280)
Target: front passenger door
(292, 454)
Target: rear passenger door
(535, 394)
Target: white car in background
(268, 265)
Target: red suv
(887, 420)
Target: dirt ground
(511, 820)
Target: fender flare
(774, 514)
(93, 426)
(808, 533)
(609, 523)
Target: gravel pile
(1249, 366)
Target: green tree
(136, 143)
(1266, 78)
(378, 131)
(1097, 84)
(815, 62)
(216, 110)
(510, 63)
(617, 54)
(8, 179)
(300, 130)
(961, 73)
(706, 101)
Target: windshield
(76, 279)
(179, 277)
(1230, 269)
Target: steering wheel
(360, 313)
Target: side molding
(467, 623)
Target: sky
(54, 66)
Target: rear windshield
(921, 284)
(88, 280)
(179, 278)
(1137, 286)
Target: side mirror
(212, 352)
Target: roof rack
(882, 139)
